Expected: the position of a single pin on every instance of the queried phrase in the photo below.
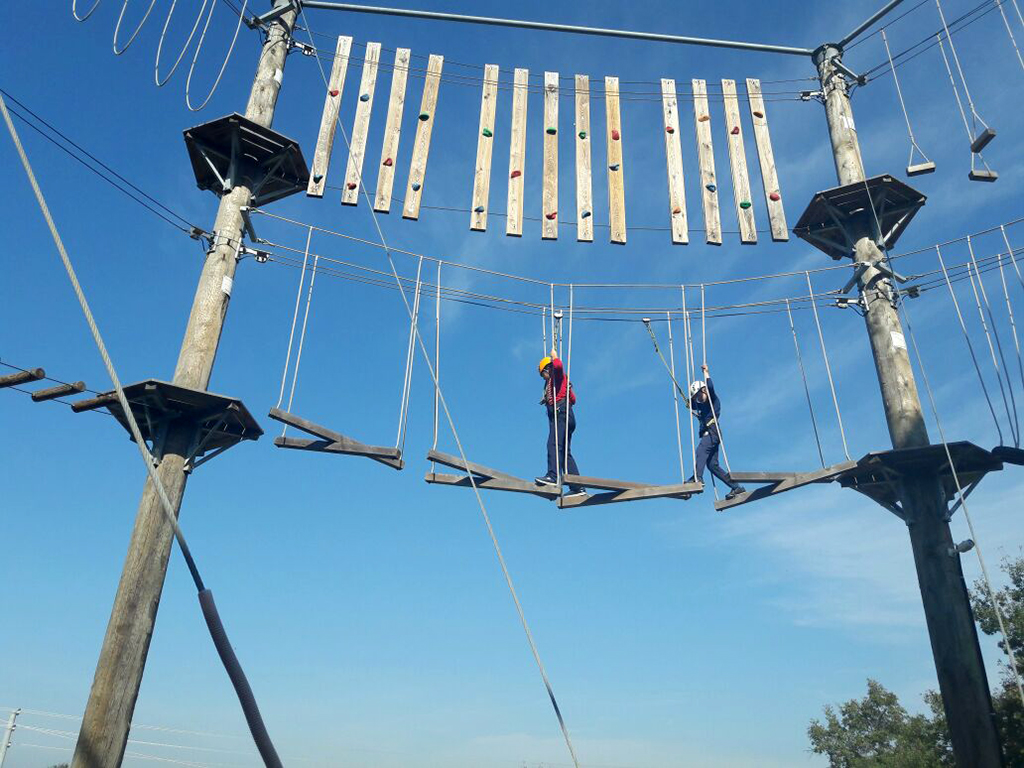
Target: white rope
(117, 27)
(828, 367)
(803, 375)
(718, 421)
(960, 106)
(295, 317)
(544, 331)
(568, 387)
(1013, 260)
(159, 46)
(675, 396)
(223, 66)
(437, 347)
(1009, 31)
(956, 59)
(458, 444)
(903, 105)
(302, 340)
(1013, 324)
(970, 346)
(403, 411)
(74, 10)
(688, 348)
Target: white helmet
(696, 387)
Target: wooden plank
(769, 176)
(584, 183)
(679, 490)
(491, 484)
(738, 164)
(316, 445)
(599, 482)
(549, 205)
(616, 187)
(484, 150)
(22, 377)
(674, 158)
(788, 482)
(329, 119)
(468, 466)
(421, 146)
(392, 132)
(361, 126)
(342, 443)
(517, 154)
(706, 156)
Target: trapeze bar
(331, 442)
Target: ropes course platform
(878, 474)
(329, 441)
(483, 477)
(621, 490)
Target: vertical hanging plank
(549, 224)
(584, 186)
(517, 154)
(421, 146)
(361, 126)
(616, 188)
(392, 132)
(484, 149)
(674, 157)
(738, 164)
(706, 156)
(329, 119)
(769, 176)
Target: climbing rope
(159, 46)
(74, 10)
(568, 390)
(302, 340)
(675, 394)
(458, 444)
(1009, 29)
(803, 375)
(403, 409)
(828, 369)
(223, 66)
(960, 104)
(704, 352)
(1013, 422)
(117, 27)
(295, 317)
(688, 350)
(437, 347)
(1013, 324)
(970, 346)
(906, 116)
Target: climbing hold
(758, 114)
(424, 116)
(775, 196)
(613, 167)
(677, 210)
(615, 135)
(351, 185)
(317, 178)
(551, 216)
(704, 118)
(735, 130)
(364, 97)
(416, 187)
(551, 130)
(745, 204)
(710, 187)
(487, 132)
(388, 162)
(334, 92)
(478, 209)
(516, 174)
(582, 134)
(585, 214)
(669, 129)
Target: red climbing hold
(669, 129)
(351, 185)
(551, 216)
(615, 135)
(735, 130)
(388, 162)
(704, 118)
(775, 196)
(516, 174)
(677, 210)
(334, 92)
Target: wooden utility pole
(115, 687)
(947, 607)
(8, 734)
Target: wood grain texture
(616, 185)
(674, 161)
(329, 118)
(421, 145)
(706, 157)
(484, 150)
(517, 154)
(361, 126)
(549, 197)
(769, 176)
(738, 164)
(584, 180)
(392, 132)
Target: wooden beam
(616, 185)
(93, 403)
(706, 156)
(52, 393)
(674, 160)
(329, 119)
(491, 484)
(679, 490)
(598, 482)
(549, 198)
(484, 150)
(340, 443)
(361, 126)
(584, 183)
(769, 176)
(392, 132)
(327, 446)
(517, 154)
(421, 145)
(468, 466)
(738, 164)
(22, 377)
(788, 482)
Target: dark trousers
(565, 429)
(707, 455)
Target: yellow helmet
(544, 363)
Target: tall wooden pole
(947, 607)
(115, 687)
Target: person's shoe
(546, 480)
(576, 493)
(737, 491)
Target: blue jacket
(708, 411)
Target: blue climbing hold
(585, 214)
(415, 187)
(364, 97)
(613, 167)
(478, 209)
(710, 187)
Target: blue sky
(367, 607)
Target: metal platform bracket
(833, 214)
(330, 441)
(234, 150)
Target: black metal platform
(832, 214)
(234, 150)
(878, 474)
(221, 422)
(331, 442)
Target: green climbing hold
(487, 132)
(745, 204)
(551, 130)
(582, 134)
(424, 116)
(478, 209)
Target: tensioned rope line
(903, 105)
(217, 632)
(410, 358)
(302, 340)
(295, 317)
(462, 453)
(828, 370)
(675, 395)
(960, 106)
(807, 390)
(688, 347)
(1009, 29)
(704, 353)
(1009, 309)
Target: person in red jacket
(558, 401)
